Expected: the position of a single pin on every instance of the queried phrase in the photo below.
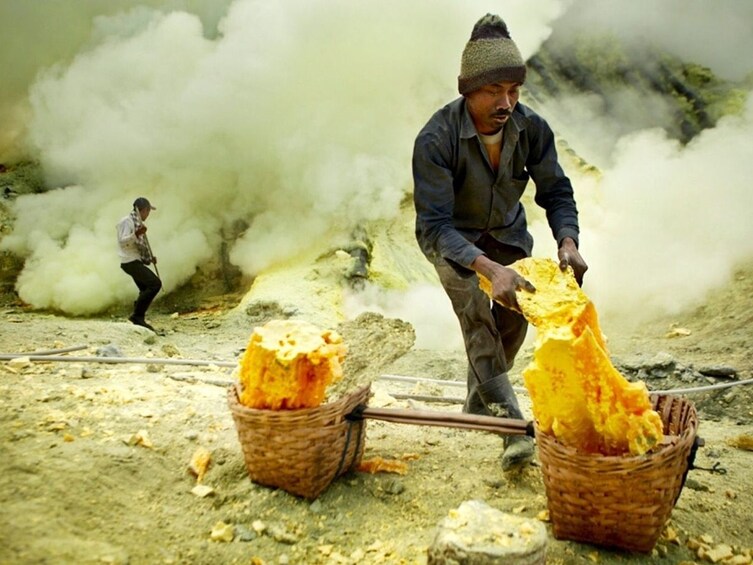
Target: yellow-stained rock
(200, 463)
(222, 532)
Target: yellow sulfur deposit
(577, 394)
(289, 364)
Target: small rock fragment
(670, 535)
(739, 560)
(718, 553)
(543, 516)
(393, 486)
(19, 363)
(170, 350)
(109, 350)
(282, 535)
(140, 438)
(718, 371)
(222, 532)
(244, 534)
(693, 484)
(202, 491)
(200, 463)
(325, 549)
(743, 441)
(477, 533)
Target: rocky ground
(95, 457)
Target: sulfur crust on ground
(79, 488)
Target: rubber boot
(499, 398)
(141, 322)
(473, 403)
(518, 452)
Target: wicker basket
(300, 451)
(614, 501)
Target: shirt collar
(468, 130)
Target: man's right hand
(505, 281)
(141, 230)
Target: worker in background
(471, 163)
(135, 256)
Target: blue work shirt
(459, 197)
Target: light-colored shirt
(127, 248)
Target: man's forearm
(485, 266)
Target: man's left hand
(569, 256)
(154, 260)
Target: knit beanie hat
(490, 56)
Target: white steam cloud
(298, 118)
(666, 223)
(674, 221)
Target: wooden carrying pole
(506, 426)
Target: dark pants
(148, 283)
(492, 334)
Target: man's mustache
(501, 113)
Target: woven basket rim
(689, 432)
(237, 388)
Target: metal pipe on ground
(111, 360)
(202, 362)
(61, 350)
(401, 378)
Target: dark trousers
(149, 285)
(492, 334)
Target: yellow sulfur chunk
(577, 394)
(289, 364)
(200, 463)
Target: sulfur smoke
(291, 125)
(667, 223)
(280, 126)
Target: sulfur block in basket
(578, 396)
(288, 364)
